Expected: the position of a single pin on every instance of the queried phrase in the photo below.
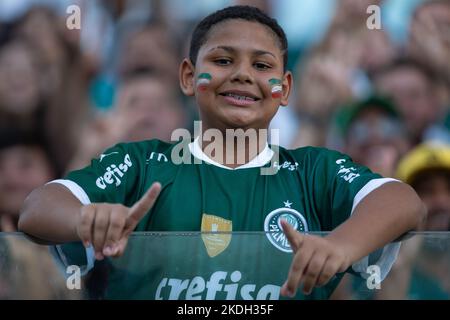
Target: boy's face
(241, 57)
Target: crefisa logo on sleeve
(114, 173)
(274, 231)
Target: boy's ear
(287, 86)
(186, 76)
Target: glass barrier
(232, 266)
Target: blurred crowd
(67, 94)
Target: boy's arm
(50, 213)
(91, 204)
(382, 216)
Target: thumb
(295, 238)
(140, 208)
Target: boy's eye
(262, 66)
(222, 61)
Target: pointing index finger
(140, 208)
(294, 237)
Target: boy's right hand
(107, 226)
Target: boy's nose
(242, 74)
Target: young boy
(236, 72)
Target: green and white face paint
(203, 81)
(276, 88)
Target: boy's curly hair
(248, 13)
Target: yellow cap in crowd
(427, 156)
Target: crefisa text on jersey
(220, 286)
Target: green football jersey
(314, 189)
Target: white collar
(260, 160)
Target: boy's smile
(239, 97)
(241, 57)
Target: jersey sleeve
(339, 186)
(111, 178)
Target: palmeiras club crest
(274, 231)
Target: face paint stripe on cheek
(276, 88)
(204, 79)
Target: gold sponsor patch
(215, 243)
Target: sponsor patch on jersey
(348, 174)
(274, 231)
(114, 173)
(222, 285)
(215, 243)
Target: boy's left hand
(316, 260)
